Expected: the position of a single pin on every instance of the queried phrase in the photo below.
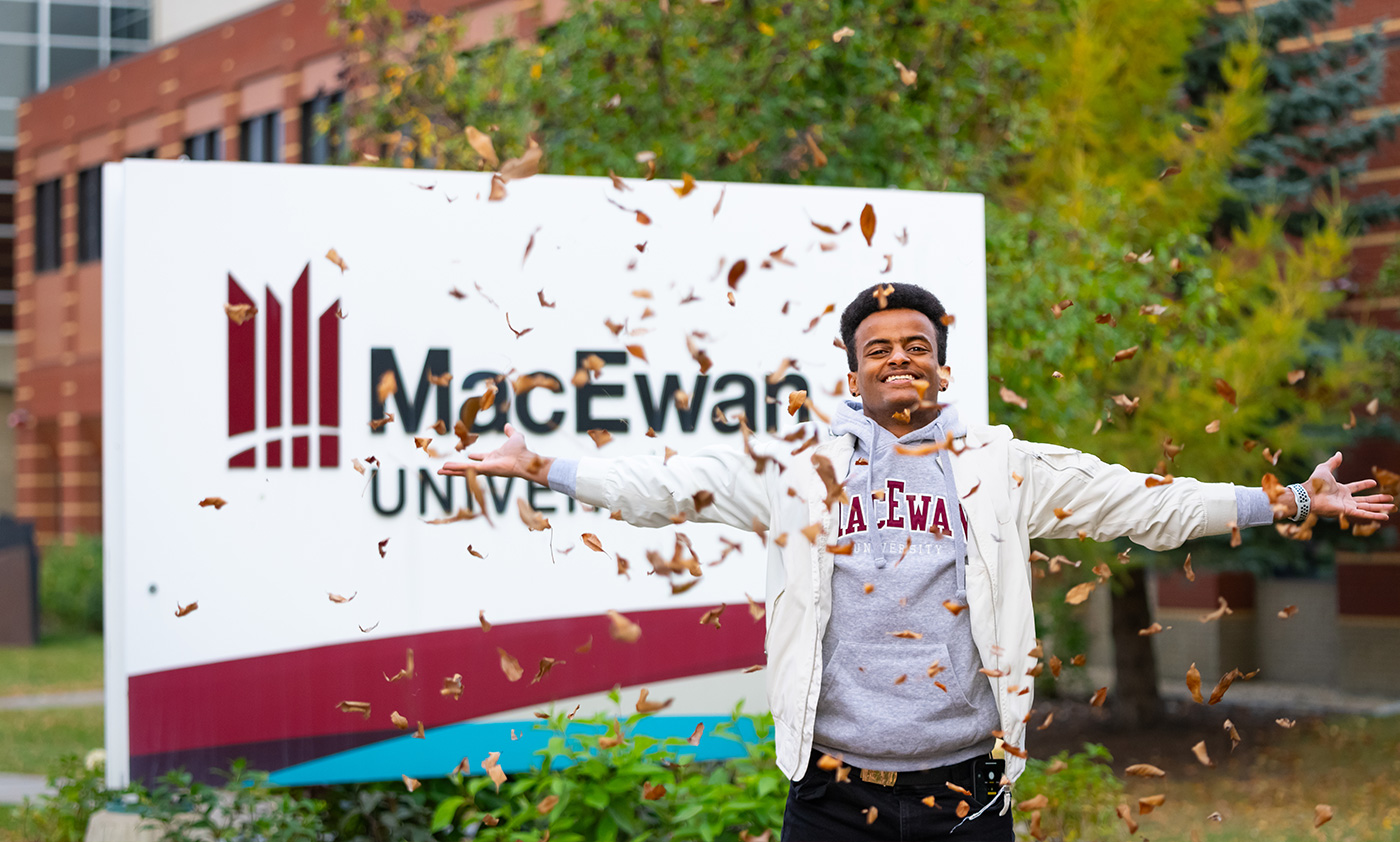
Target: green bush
(640, 789)
(70, 587)
(245, 809)
(1082, 790)
(80, 792)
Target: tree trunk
(1137, 701)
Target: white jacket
(1106, 501)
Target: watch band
(1303, 500)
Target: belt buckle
(872, 776)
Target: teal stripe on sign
(443, 748)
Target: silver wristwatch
(1304, 502)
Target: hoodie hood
(878, 447)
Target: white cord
(1004, 789)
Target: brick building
(246, 89)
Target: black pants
(819, 810)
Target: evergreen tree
(1311, 137)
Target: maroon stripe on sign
(293, 695)
(244, 459)
(205, 763)
(301, 351)
(273, 363)
(274, 453)
(330, 451)
(328, 378)
(301, 451)
(242, 367)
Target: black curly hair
(904, 297)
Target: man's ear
(851, 383)
(945, 377)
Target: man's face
(893, 349)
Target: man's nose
(899, 356)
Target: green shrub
(1082, 790)
(245, 809)
(63, 817)
(641, 789)
(70, 587)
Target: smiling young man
(901, 640)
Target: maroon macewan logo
(243, 371)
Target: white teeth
(894, 377)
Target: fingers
(1335, 462)
(510, 429)
(1359, 485)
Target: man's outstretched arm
(1109, 501)
(646, 490)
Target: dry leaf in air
(645, 705)
(623, 629)
(509, 665)
(216, 502)
(1145, 770)
(1322, 814)
(240, 313)
(1199, 749)
(334, 257)
(867, 221)
(182, 610)
(906, 76)
(843, 32)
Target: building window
(71, 62)
(204, 146)
(131, 23)
(17, 69)
(144, 153)
(19, 16)
(68, 19)
(317, 146)
(90, 214)
(47, 225)
(260, 139)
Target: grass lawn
(31, 741)
(56, 665)
(1351, 763)
(10, 824)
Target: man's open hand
(1334, 499)
(512, 459)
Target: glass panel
(118, 55)
(66, 63)
(7, 122)
(17, 70)
(73, 20)
(22, 16)
(131, 23)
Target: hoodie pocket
(866, 709)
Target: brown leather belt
(919, 777)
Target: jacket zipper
(1083, 471)
(772, 618)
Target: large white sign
(437, 279)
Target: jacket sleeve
(650, 492)
(1109, 501)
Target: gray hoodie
(879, 706)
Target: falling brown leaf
(354, 707)
(545, 665)
(1154, 481)
(509, 665)
(1080, 592)
(1224, 684)
(962, 810)
(906, 634)
(867, 222)
(1144, 770)
(1373, 406)
(711, 617)
(399, 720)
(407, 672)
(1126, 815)
(1155, 628)
(339, 600)
(906, 76)
(182, 610)
(1322, 814)
(480, 143)
(1199, 749)
(1287, 611)
(498, 188)
(1218, 612)
(411, 783)
(1169, 172)
(492, 765)
(736, 272)
(240, 313)
(1013, 398)
(1125, 354)
(452, 686)
(843, 32)
(1213, 426)
(1193, 683)
(623, 629)
(1099, 696)
(535, 521)
(645, 705)
(334, 257)
(1226, 391)
(687, 185)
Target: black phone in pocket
(986, 777)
